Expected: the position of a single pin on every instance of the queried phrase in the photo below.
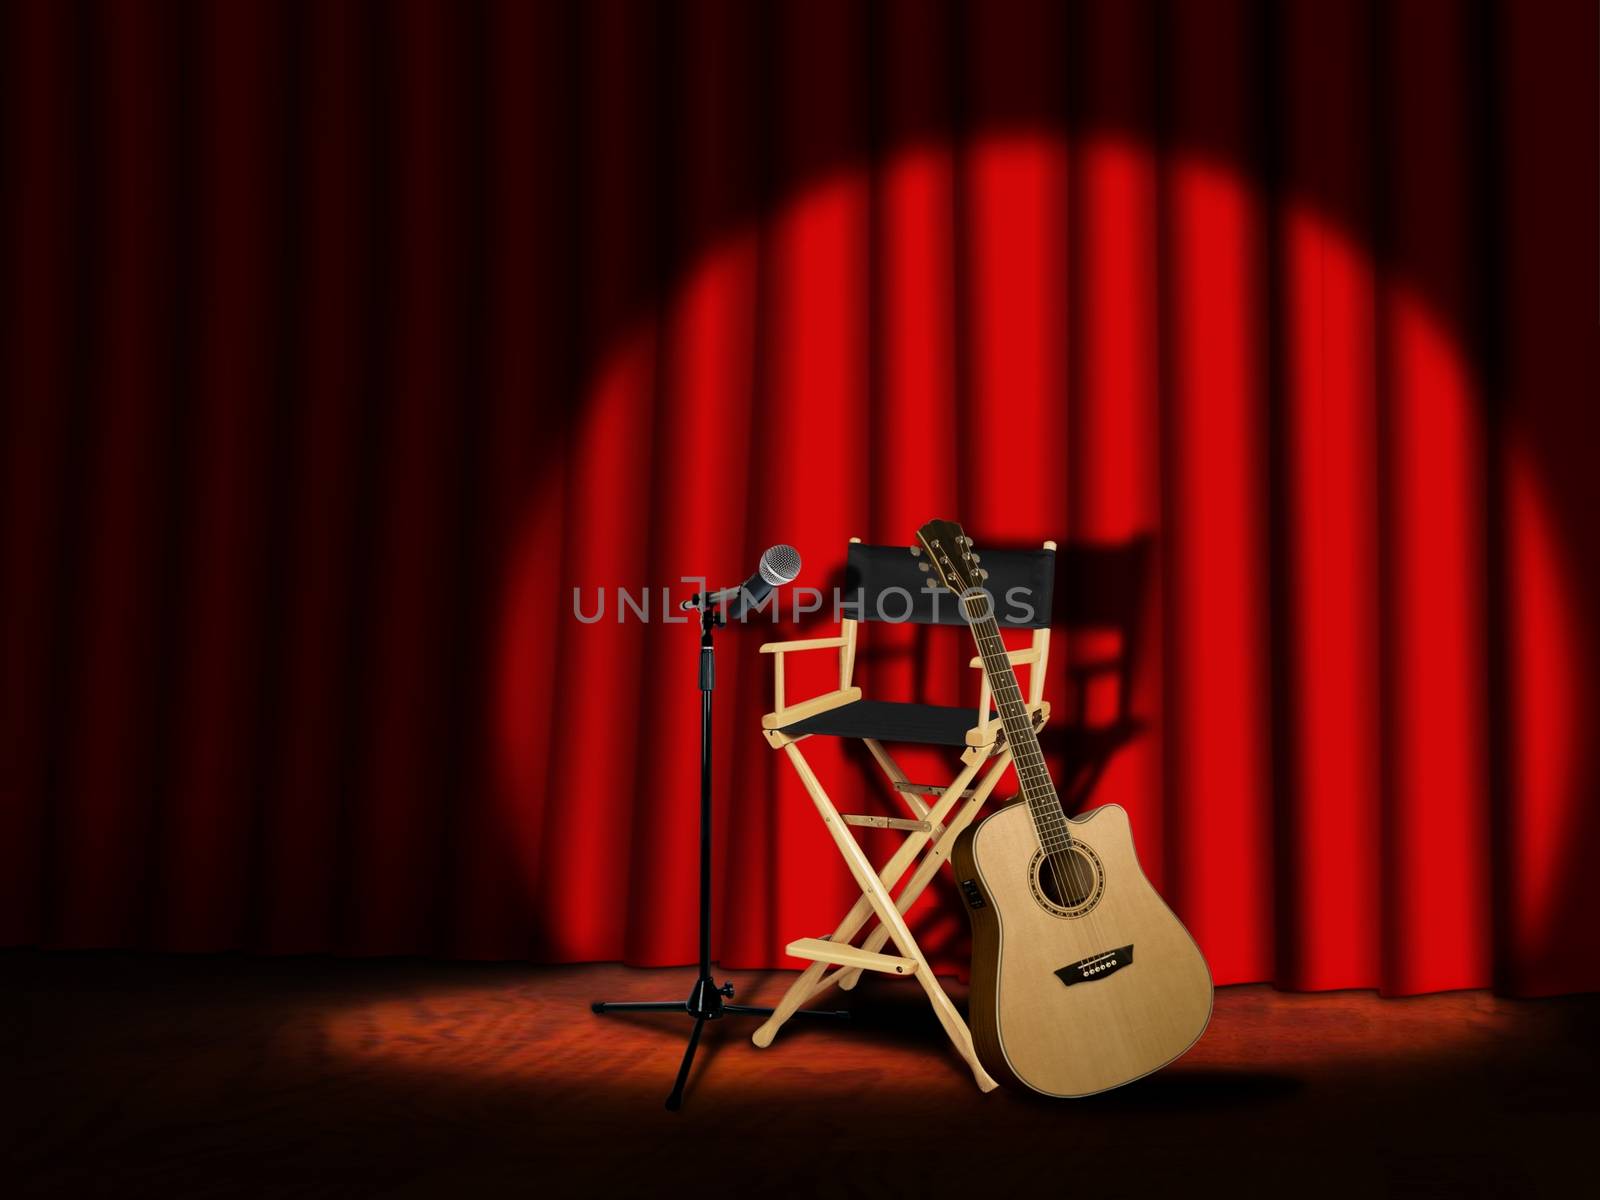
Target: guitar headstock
(947, 554)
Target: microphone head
(780, 564)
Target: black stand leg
(675, 1100)
(705, 1002)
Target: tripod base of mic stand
(705, 1003)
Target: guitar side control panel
(970, 889)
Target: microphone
(780, 564)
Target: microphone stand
(705, 1002)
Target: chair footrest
(822, 950)
(927, 789)
(887, 822)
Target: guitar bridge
(1096, 966)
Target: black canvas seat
(887, 721)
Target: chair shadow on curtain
(1101, 591)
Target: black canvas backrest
(883, 583)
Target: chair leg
(940, 832)
(799, 992)
(896, 776)
(814, 980)
(876, 894)
(933, 860)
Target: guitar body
(1082, 977)
(1082, 986)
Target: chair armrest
(779, 649)
(1030, 655)
(784, 714)
(830, 643)
(979, 734)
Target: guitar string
(1003, 682)
(1077, 866)
(996, 679)
(1032, 773)
(1056, 856)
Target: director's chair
(883, 583)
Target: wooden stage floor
(146, 1075)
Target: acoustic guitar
(1082, 978)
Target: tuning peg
(916, 551)
(983, 574)
(975, 558)
(922, 566)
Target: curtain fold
(354, 349)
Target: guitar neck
(1032, 773)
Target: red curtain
(347, 343)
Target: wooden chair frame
(931, 831)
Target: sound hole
(1068, 882)
(1068, 878)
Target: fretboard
(1037, 788)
